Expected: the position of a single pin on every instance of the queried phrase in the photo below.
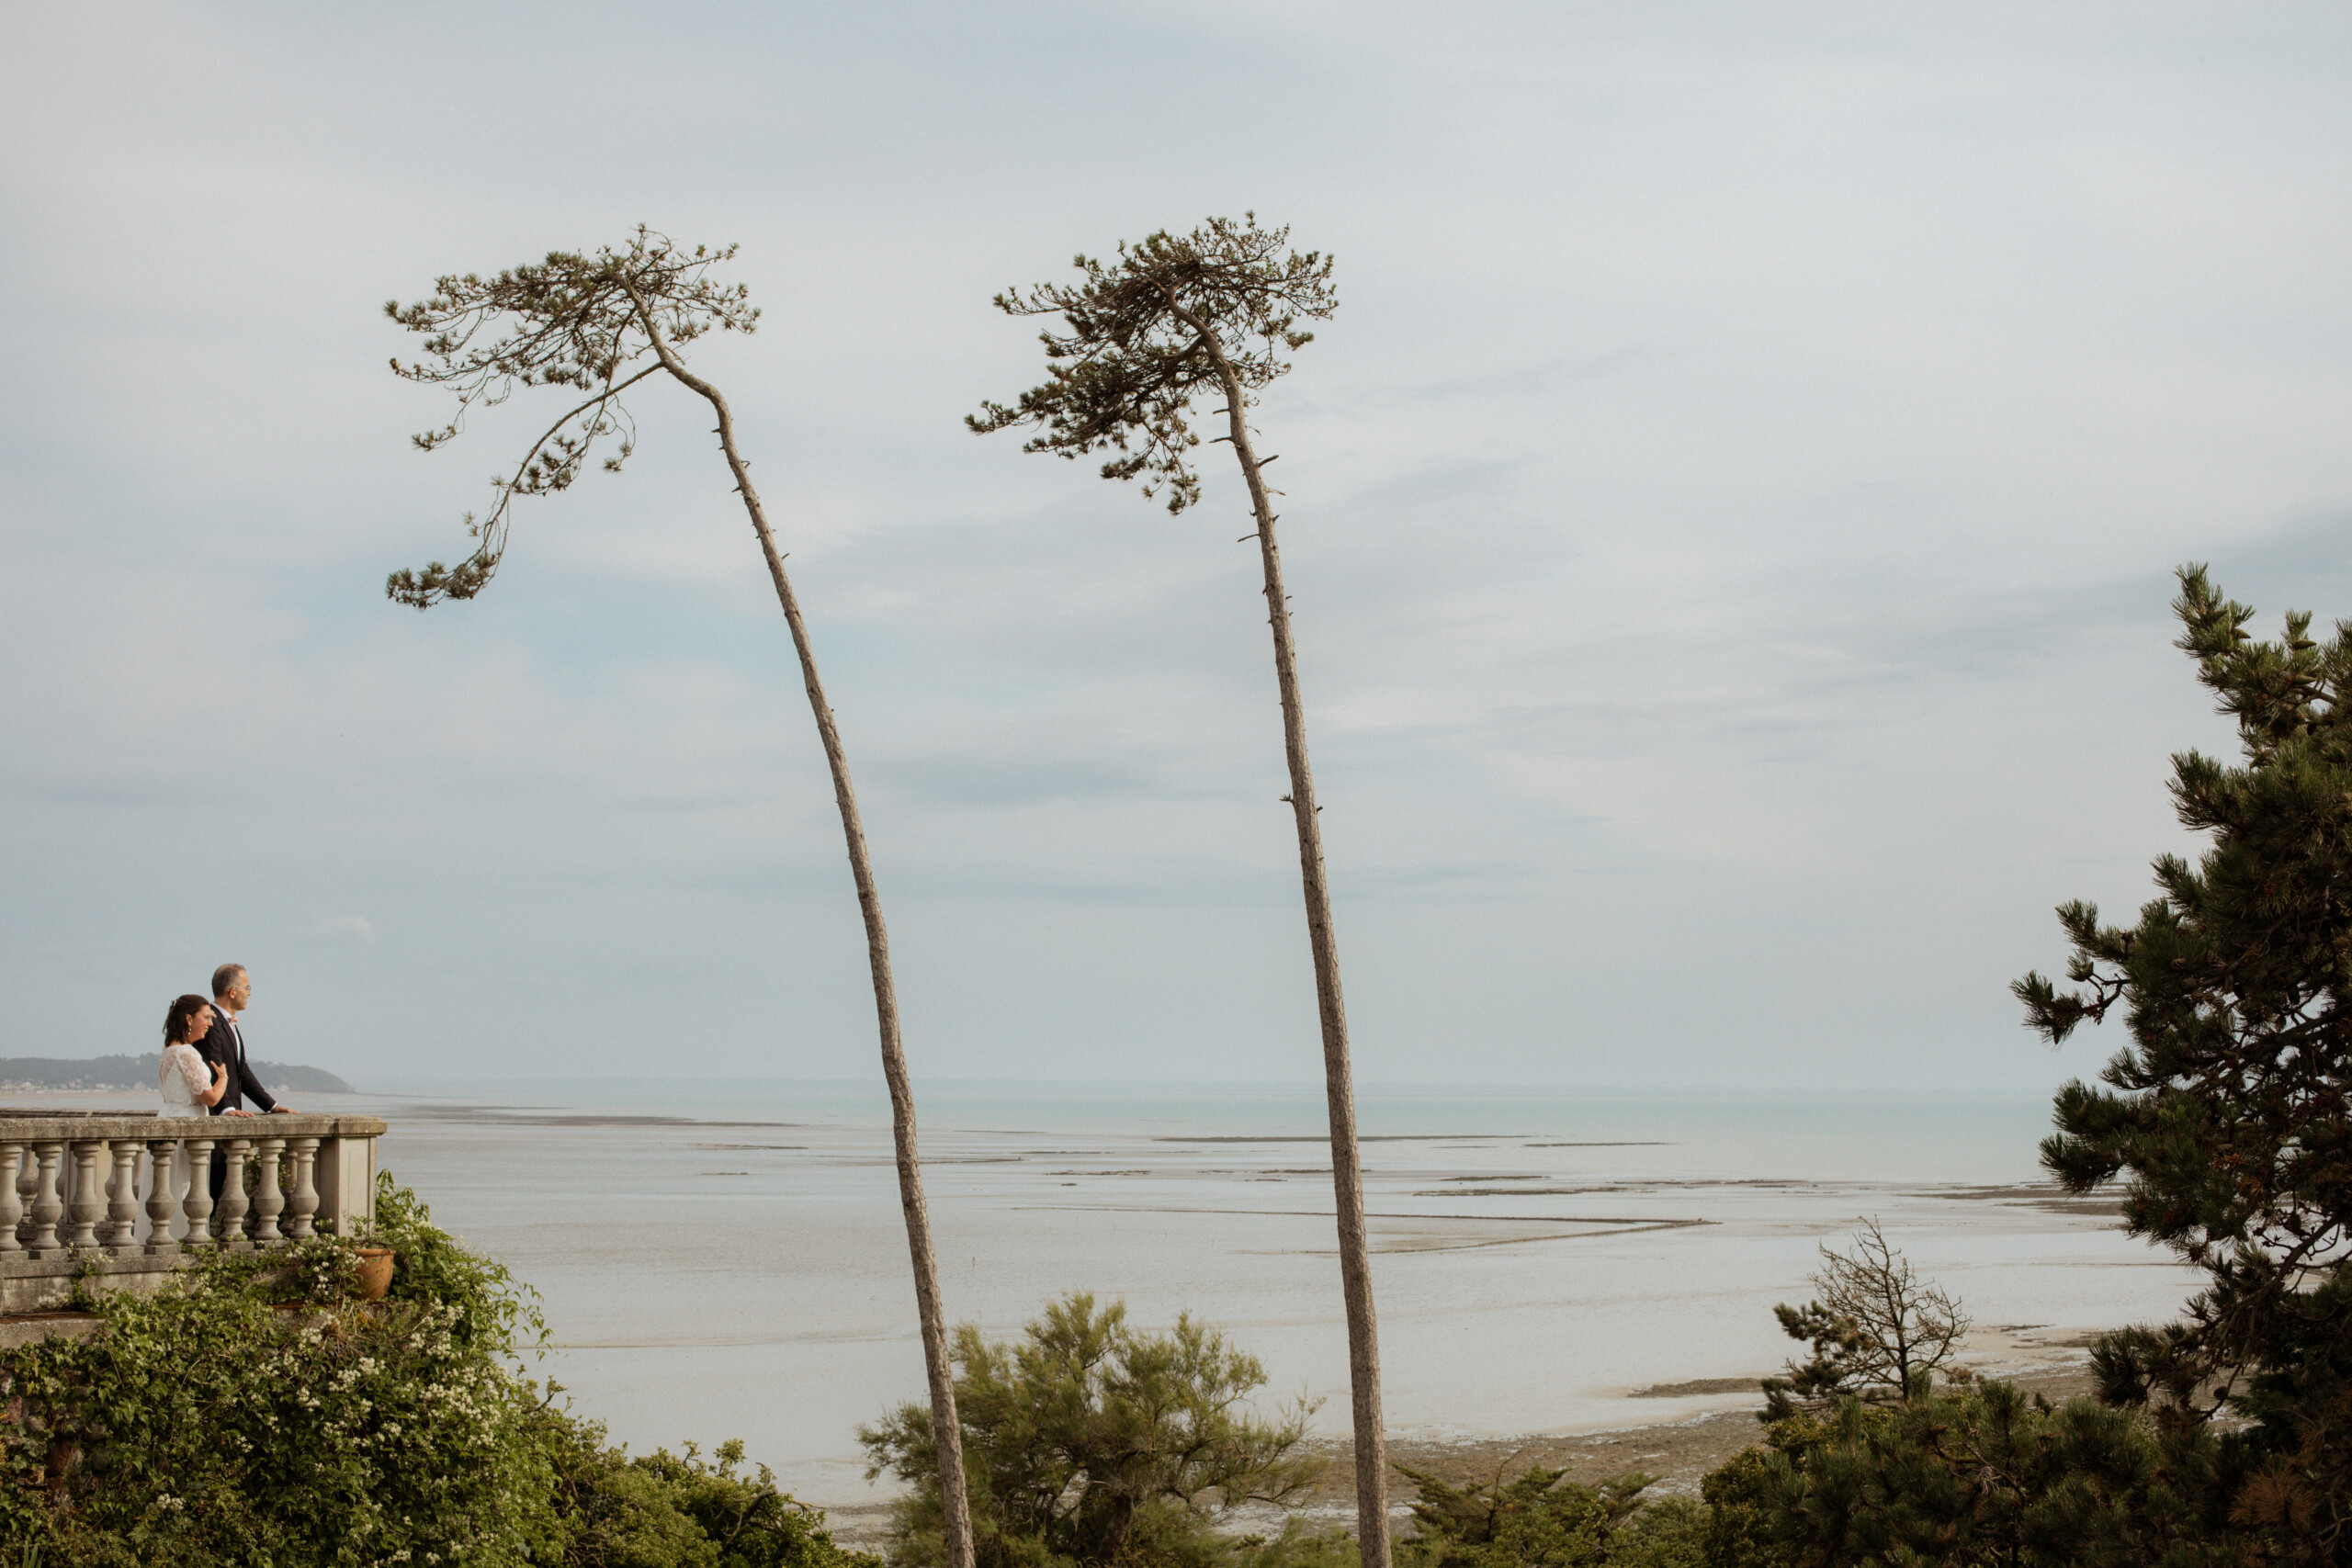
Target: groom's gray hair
(224, 977)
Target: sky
(1729, 523)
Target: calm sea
(728, 1260)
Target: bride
(180, 1079)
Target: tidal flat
(1578, 1278)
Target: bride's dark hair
(175, 1020)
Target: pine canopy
(2226, 1116)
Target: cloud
(338, 930)
(1734, 498)
(1529, 380)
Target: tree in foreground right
(2227, 1116)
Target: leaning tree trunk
(1347, 1169)
(945, 1428)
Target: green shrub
(1743, 1512)
(1540, 1520)
(206, 1423)
(1984, 1475)
(495, 1310)
(1296, 1545)
(666, 1511)
(250, 1413)
(1090, 1443)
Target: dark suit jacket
(226, 1046)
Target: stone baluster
(12, 1155)
(122, 1198)
(48, 1208)
(162, 1207)
(234, 1201)
(27, 1184)
(199, 1203)
(269, 1202)
(86, 1205)
(305, 1200)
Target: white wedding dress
(180, 1077)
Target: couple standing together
(204, 1064)
(204, 1068)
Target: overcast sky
(1729, 522)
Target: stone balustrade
(108, 1197)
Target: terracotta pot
(375, 1272)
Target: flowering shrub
(657, 1509)
(495, 1310)
(252, 1413)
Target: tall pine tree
(1213, 314)
(2226, 1117)
(598, 324)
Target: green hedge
(252, 1413)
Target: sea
(728, 1260)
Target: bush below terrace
(252, 1413)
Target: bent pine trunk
(1347, 1171)
(946, 1430)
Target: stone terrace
(85, 1200)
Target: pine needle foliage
(577, 321)
(2226, 1117)
(1145, 335)
(1877, 1330)
(1983, 1476)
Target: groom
(225, 1045)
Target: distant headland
(96, 1074)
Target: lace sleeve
(190, 1066)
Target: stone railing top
(19, 1123)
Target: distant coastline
(93, 1075)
